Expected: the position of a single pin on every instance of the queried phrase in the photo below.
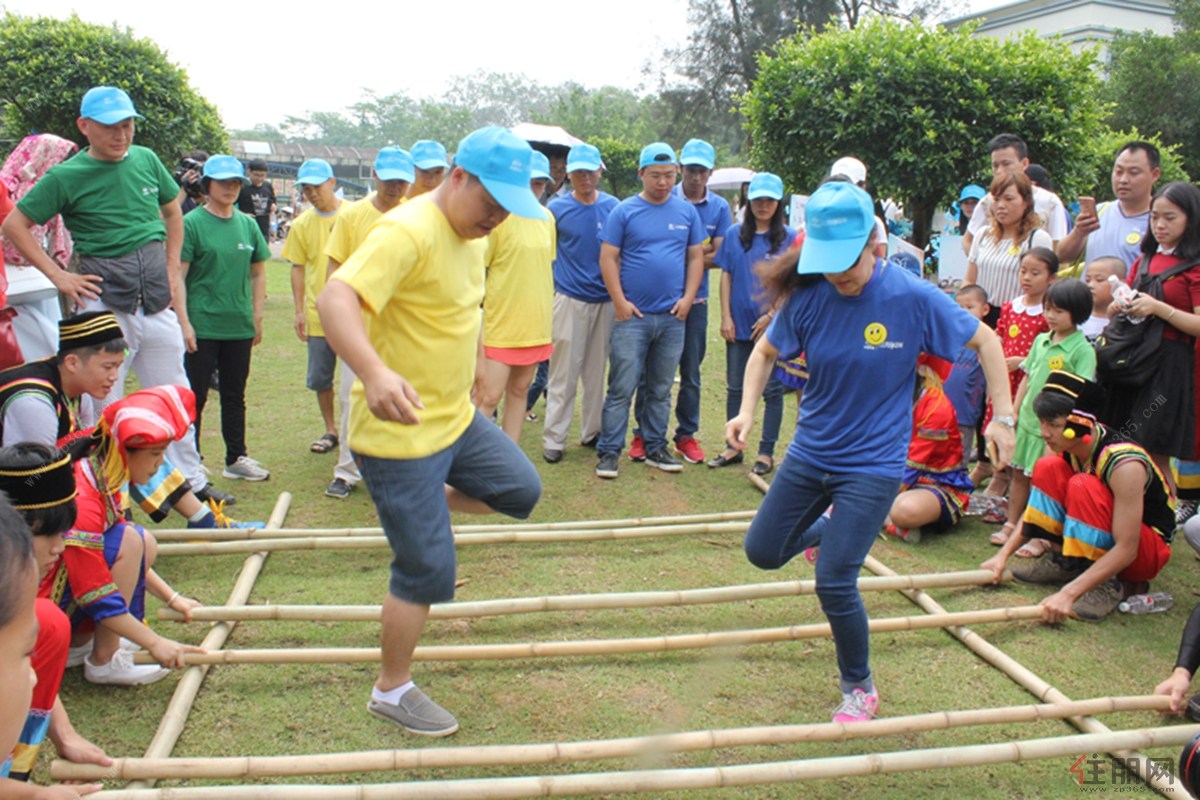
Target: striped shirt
(999, 261)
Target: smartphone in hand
(1087, 205)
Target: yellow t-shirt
(352, 227)
(420, 286)
(305, 246)
(519, 296)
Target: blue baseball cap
(428, 154)
(699, 153)
(838, 220)
(108, 105)
(314, 172)
(222, 167)
(657, 153)
(540, 166)
(765, 184)
(972, 192)
(503, 163)
(584, 156)
(394, 164)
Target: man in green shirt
(121, 206)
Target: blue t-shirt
(862, 364)
(653, 240)
(745, 287)
(715, 216)
(577, 265)
(965, 388)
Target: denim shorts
(321, 361)
(409, 495)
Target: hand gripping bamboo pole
(259, 767)
(662, 780)
(171, 726)
(460, 540)
(653, 644)
(232, 534)
(579, 602)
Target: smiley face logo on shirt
(1055, 362)
(1133, 238)
(1014, 331)
(875, 334)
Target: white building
(1081, 23)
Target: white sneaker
(246, 469)
(121, 671)
(76, 655)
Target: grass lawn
(267, 710)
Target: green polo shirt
(220, 252)
(1074, 354)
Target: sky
(261, 61)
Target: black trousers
(232, 359)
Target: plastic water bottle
(1124, 295)
(1146, 603)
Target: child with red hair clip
(107, 563)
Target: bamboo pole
(578, 602)
(259, 767)
(232, 534)
(1032, 683)
(1020, 674)
(653, 644)
(662, 780)
(460, 540)
(170, 728)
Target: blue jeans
(790, 521)
(687, 404)
(648, 345)
(409, 495)
(737, 354)
(538, 387)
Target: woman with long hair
(1013, 229)
(761, 235)
(862, 323)
(1160, 415)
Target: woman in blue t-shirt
(761, 235)
(862, 329)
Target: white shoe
(246, 469)
(76, 655)
(121, 671)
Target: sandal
(725, 461)
(1000, 538)
(1034, 548)
(324, 445)
(763, 467)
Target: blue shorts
(321, 361)
(409, 495)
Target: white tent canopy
(545, 134)
(730, 177)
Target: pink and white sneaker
(858, 706)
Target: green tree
(917, 105)
(1154, 85)
(46, 65)
(620, 165)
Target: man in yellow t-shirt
(305, 248)
(403, 312)
(393, 174)
(517, 307)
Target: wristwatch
(1007, 422)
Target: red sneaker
(637, 449)
(689, 448)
